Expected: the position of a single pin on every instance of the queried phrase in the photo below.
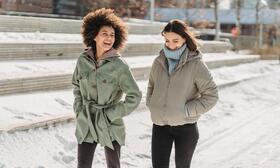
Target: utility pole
(257, 23)
(217, 35)
(238, 25)
(259, 26)
(152, 9)
(238, 6)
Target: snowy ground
(242, 131)
(19, 109)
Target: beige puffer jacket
(184, 95)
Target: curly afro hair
(95, 20)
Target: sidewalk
(24, 111)
(222, 144)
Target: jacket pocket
(107, 84)
(83, 75)
(191, 110)
(148, 101)
(81, 125)
(108, 80)
(187, 111)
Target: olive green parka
(98, 92)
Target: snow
(37, 37)
(245, 116)
(33, 68)
(241, 131)
(20, 69)
(243, 71)
(20, 108)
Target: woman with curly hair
(100, 78)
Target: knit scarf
(173, 56)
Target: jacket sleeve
(77, 93)
(207, 89)
(150, 87)
(133, 96)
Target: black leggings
(185, 138)
(86, 152)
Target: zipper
(166, 97)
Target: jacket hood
(109, 54)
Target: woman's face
(105, 38)
(173, 40)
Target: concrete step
(50, 75)
(56, 107)
(24, 51)
(52, 25)
(64, 50)
(215, 46)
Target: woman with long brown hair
(180, 89)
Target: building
(130, 8)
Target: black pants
(185, 138)
(86, 152)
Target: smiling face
(173, 40)
(105, 39)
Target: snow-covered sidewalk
(242, 130)
(18, 110)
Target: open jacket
(182, 96)
(98, 89)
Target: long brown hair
(181, 28)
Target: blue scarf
(173, 56)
